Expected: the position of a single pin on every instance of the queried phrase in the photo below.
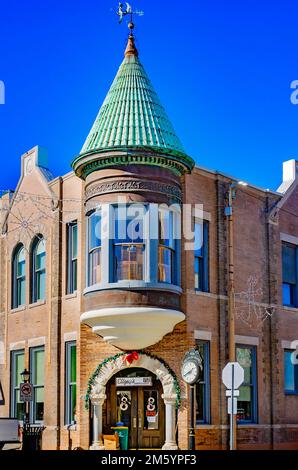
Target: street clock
(192, 367)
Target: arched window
(38, 270)
(19, 277)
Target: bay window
(135, 245)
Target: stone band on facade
(132, 186)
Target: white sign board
(230, 406)
(233, 369)
(9, 430)
(133, 381)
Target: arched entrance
(167, 392)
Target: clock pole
(192, 420)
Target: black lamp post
(25, 377)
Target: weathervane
(121, 12)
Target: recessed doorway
(134, 399)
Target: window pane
(73, 400)
(21, 292)
(95, 267)
(19, 407)
(129, 261)
(289, 264)
(244, 357)
(199, 273)
(94, 230)
(165, 265)
(151, 411)
(287, 294)
(74, 241)
(129, 224)
(41, 285)
(289, 371)
(166, 236)
(124, 407)
(199, 239)
(21, 263)
(200, 402)
(19, 367)
(39, 404)
(244, 403)
(74, 274)
(38, 367)
(73, 364)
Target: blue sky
(221, 68)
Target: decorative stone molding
(132, 186)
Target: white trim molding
(288, 238)
(72, 336)
(248, 340)
(203, 335)
(34, 342)
(17, 346)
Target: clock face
(190, 372)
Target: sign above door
(133, 381)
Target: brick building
(103, 319)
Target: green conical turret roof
(132, 114)
(132, 118)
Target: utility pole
(231, 291)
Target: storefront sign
(134, 382)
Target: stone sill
(37, 304)
(289, 309)
(74, 295)
(18, 309)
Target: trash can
(122, 432)
(32, 437)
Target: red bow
(132, 357)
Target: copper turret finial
(131, 47)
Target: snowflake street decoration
(248, 307)
(25, 224)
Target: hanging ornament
(134, 356)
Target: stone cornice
(87, 163)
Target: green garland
(91, 381)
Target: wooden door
(141, 409)
(150, 418)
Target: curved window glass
(129, 246)
(38, 270)
(19, 278)
(166, 246)
(94, 248)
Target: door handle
(140, 422)
(134, 422)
